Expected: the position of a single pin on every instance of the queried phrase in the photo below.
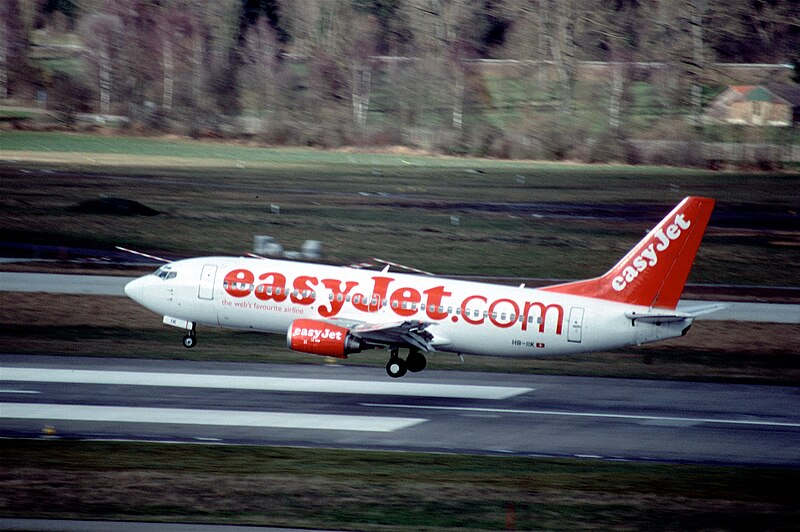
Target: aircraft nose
(134, 289)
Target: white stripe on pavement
(275, 384)
(227, 418)
(607, 415)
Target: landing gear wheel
(396, 367)
(416, 361)
(189, 341)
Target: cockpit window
(165, 272)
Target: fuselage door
(575, 332)
(207, 278)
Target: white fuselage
(467, 317)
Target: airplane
(336, 311)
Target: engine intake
(321, 338)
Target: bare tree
(261, 52)
(103, 33)
(4, 55)
(559, 22)
(13, 44)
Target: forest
(553, 79)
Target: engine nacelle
(321, 338)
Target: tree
(261, 52)
(13, 46)
(103, 33)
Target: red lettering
(238, 283)
(466, 315)
(339, 295)
(543, 315)
(271, 289)
(405, 297)
(372, 302)
(304, 286)
(498, 323)
(435, 296)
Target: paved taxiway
(114, 286)
(356, 407)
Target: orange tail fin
(654, 272)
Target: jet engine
(321, 338)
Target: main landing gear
(397, 367)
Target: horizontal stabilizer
(658, 317)
(667, 316)
(702, 310)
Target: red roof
(743, 89)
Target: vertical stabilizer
(654, 272)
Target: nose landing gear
(190, 340)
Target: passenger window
(356, 299)
(394, 304)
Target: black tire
(189, 341)
(396, 367)
(416, 362)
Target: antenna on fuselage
(396, 265)
(142, 254)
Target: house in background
(756, 105)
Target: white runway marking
(226, 418)
(662, 419)
(274, 384)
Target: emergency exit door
(575, 331)
(207, 278)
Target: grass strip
(381, 490)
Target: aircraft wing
(409, 333)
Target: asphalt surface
(113, 286)
(59, 525)
(434, 411)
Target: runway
(434, 411)
(114, 286)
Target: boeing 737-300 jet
(337, 311)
